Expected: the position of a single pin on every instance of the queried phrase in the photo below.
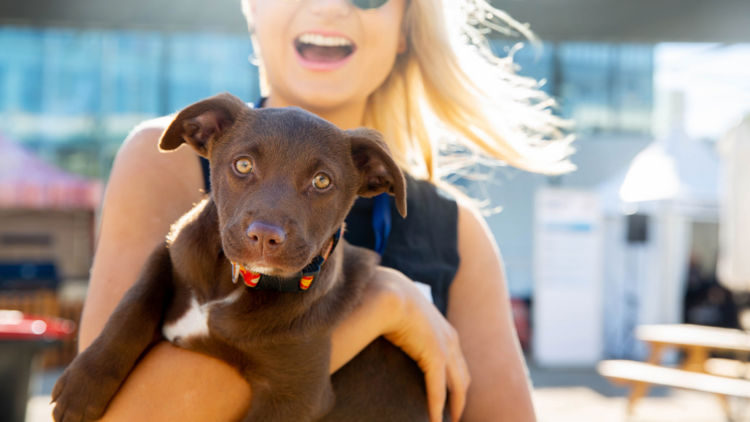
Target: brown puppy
(283, 181)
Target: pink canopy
(30, 183)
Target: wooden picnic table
(697, 341)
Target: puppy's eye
(321, 181)
(244, 165)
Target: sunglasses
(359, 4)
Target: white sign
(567, 278)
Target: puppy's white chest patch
(194, 323)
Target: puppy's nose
(264, 235)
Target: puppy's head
(283, 179)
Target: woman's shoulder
(146, 177)
(140, 150)
(145, 136)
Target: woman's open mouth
(323, 52)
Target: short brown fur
(280, 342)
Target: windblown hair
(448, 91)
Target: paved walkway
(570, 395)
(578, 404)
(564, 404)
(582, 395)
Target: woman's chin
(319, 96)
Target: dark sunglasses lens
(368, 4)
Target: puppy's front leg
(293, 386)
(86, 387)
(302, 402)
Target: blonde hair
(449, 90)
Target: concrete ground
(560, 395)
(581, 395)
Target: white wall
(598, 158)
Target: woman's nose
(330, 8)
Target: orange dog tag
(305, 282)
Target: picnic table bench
(724, 377)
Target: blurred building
(606, 89)
(74, 95)
(47, 222)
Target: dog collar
(299, 282)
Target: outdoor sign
(567, 278)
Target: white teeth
(323, 40)
(262, 270)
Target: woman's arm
(479, 309)
(148, 191)
(173, 384)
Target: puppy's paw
(79, 396)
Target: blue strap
(381, 221)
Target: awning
(673, 168)
(27, 182)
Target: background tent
(27, 182)
(654, 214)
(47, 220)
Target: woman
(386, 64)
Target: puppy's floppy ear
(378, 170)
(201, 123)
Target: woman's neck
(346, 117)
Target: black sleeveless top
(423, 246)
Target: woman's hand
(426, 336)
